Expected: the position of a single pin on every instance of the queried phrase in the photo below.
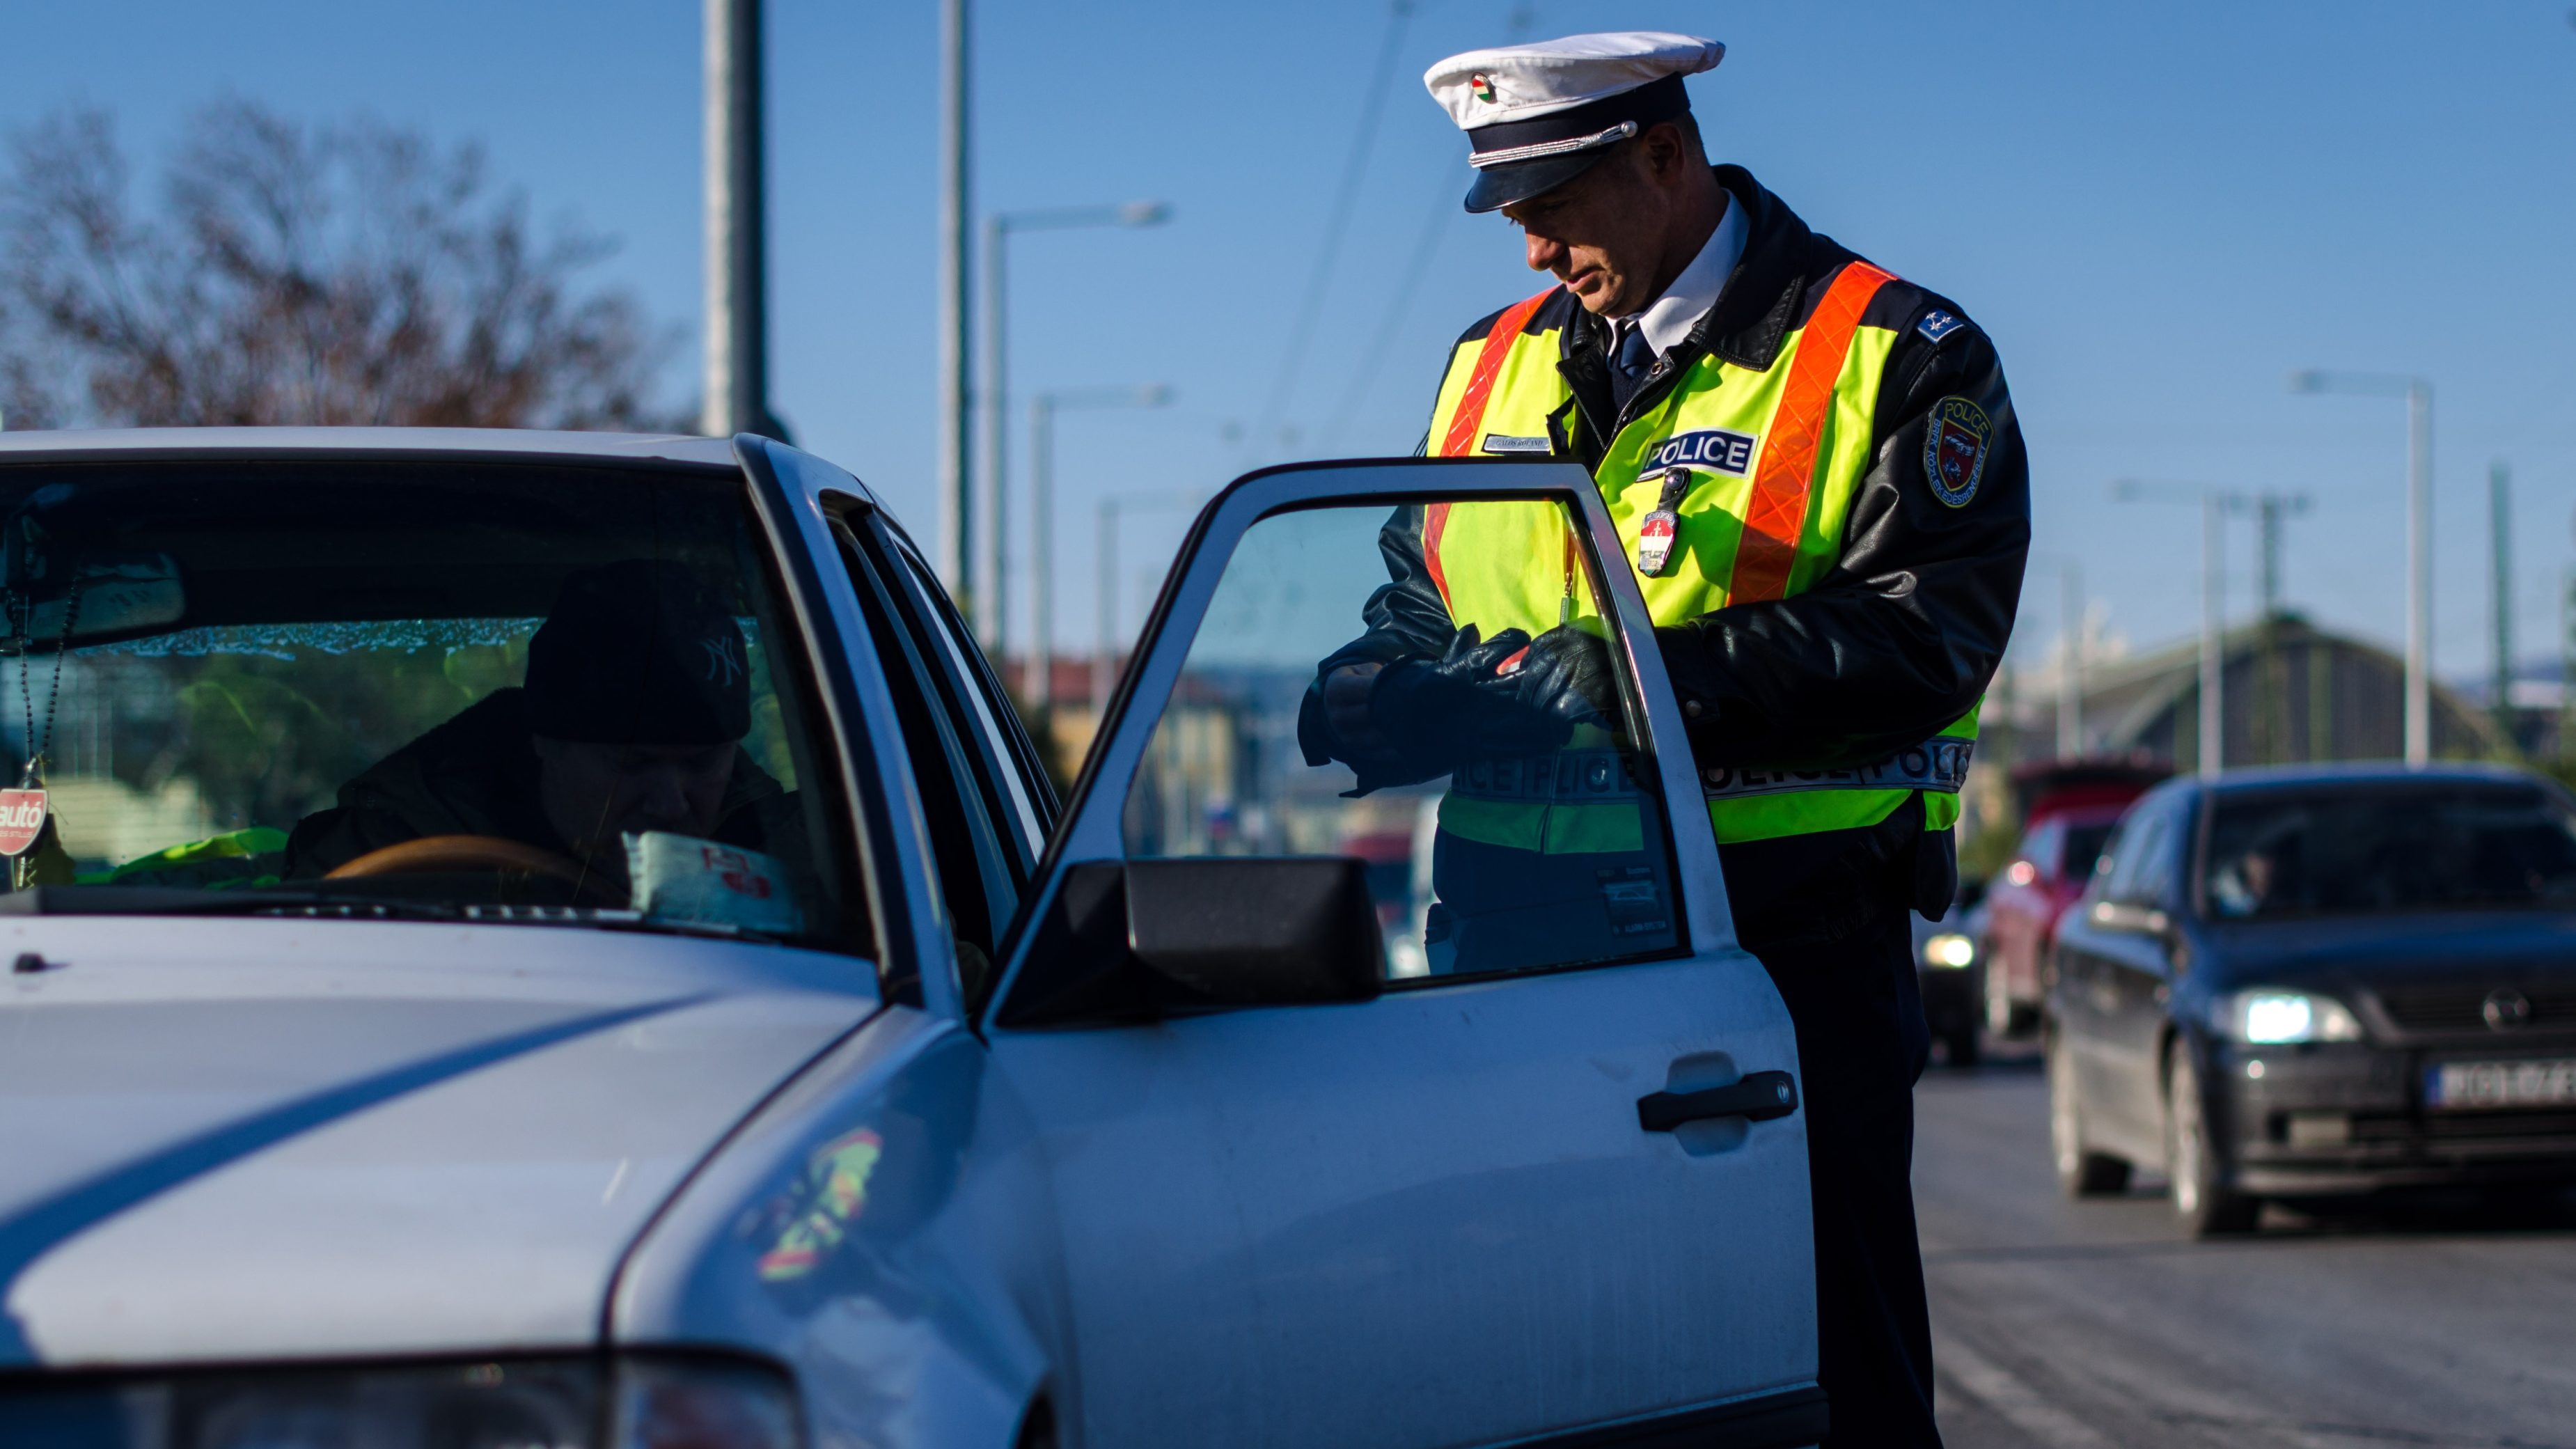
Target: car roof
(407, 443)
(2373, 772)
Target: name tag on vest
(1506, 443)
(1713, 450)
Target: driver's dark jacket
(1897, 639)
(477, 775)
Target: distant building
(2291, 693)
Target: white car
(361, 1084)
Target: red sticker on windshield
(22, 819)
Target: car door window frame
(979, 876)
(1092, 822)
(1008, 755)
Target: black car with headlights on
(1950, 969)
(2320, 982)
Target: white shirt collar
(1670, 317)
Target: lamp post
(2419, 533)
(993, 480)
(1042, 411)
(2213, 605)
(1104, 671)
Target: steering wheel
(432, 853)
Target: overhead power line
(1337, 223)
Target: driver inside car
(638, 696)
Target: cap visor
(1499, 186)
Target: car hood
(2371, 951)
(240, 1139)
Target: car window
(1014, 785)
(2083, 846)
(2156, 857)
(980, 860)
(2375, 848)
(1323, 710)
(2097, 885)
(505, 693)
(2039, 850)
(2137, 862)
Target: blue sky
(2157, 212)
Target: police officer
(1815, 471)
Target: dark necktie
(1629, 362)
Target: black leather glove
(1567, 676)
(1493, 698)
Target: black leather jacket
(1894, 642)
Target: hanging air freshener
(1655, 536)
(23, 810)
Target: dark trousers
(1828, 922)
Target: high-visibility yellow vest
(1774, 458)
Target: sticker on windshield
(682, 878)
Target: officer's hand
(1567, 676)
(1462, 705)
(1346, 707)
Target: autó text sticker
(22, 819)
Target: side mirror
(1257, 931)
(1138, 939)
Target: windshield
(2363, 852)
(545, 694)
(2084, 849)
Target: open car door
(1445, 1113)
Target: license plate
(2456, 1085)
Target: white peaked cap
(1523, 82)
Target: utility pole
(736, 382)
(956, 361)
(2419, 534)
(2500, 517)
(2070, 664)
(1042, 414)
(2213, 662)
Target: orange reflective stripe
(1778, 512)
(1470, 416)
(1489, 364)
(1435, 521)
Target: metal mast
(956, 361)
(737, 343)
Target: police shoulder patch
(1955, 444)
(1937, 324)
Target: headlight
(2279, 1018)
(537, 1404)
(1950, 949)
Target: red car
(2068, 808)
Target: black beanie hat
(639, 652)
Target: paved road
(2097, 1324)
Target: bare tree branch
(343, 273)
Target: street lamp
(2213, 605)
(1042, 411)
(1104, 671)
(992, 611)
(2419, 534)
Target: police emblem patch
(1938, 324)
(1954, 449)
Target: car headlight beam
(1950, 950)
(2287, 1018)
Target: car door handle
(1760, 1097)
